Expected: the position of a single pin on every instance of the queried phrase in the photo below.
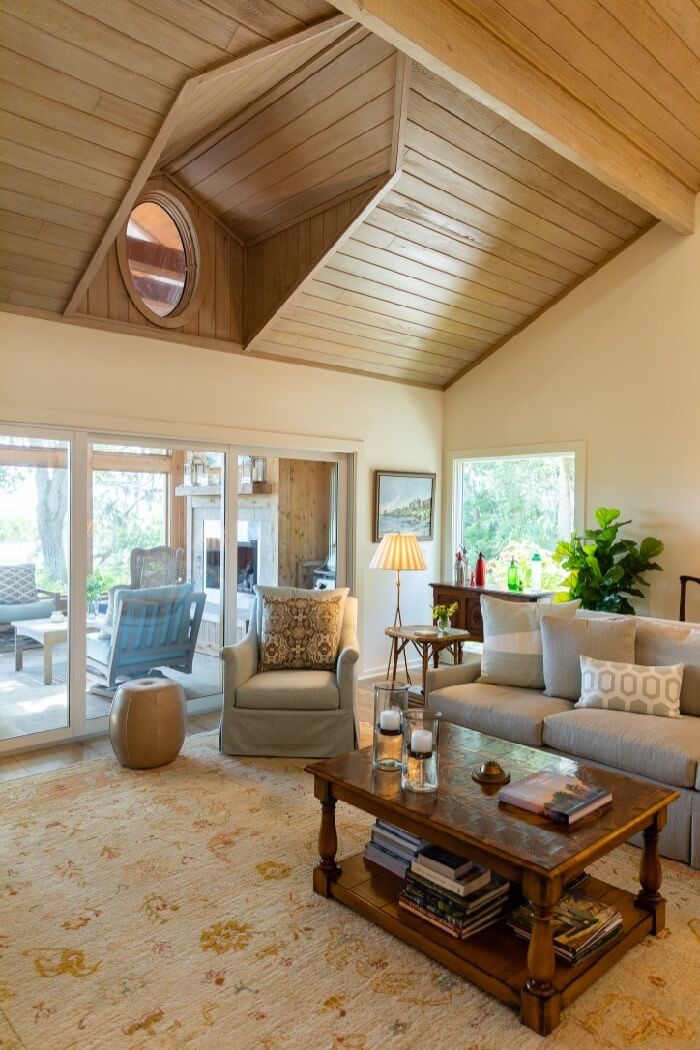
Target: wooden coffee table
(537, 856)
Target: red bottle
(481, 571)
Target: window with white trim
(515, 506)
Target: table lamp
(398, 551)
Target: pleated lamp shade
(398, 551)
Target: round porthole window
(159, 258)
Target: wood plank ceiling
(482, 228)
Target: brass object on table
(490, 773)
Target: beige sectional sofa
(663, 750)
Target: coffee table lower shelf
(495, 959)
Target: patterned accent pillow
(300, 633)
(636, 688)
(512, 653)
(17, 584)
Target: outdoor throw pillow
(512, 653)
(635, 688)
(300, 633)
(17, 584)
(565, 641)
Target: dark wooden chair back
(685, 580)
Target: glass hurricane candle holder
(390, 703)
(419, 753)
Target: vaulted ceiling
(383, 195)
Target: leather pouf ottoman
(147, 722)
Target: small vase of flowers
(442, 614)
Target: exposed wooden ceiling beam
(455, 40)
(402, 87)
(170, 121)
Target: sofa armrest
(240, 664)
(346, 672)
(459, 674)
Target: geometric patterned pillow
(300, 633)
(17, 584)
(631, 687)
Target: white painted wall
(64, 374)
(616, 364)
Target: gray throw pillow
(512, 653)
(661, 643)
(564, 642)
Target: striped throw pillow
(512, 653)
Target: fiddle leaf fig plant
(605, 570)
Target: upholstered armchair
(288, 712)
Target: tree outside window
(512, 507)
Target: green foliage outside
(603, 569)
(512, 508)
(97, 585)
(128, 511)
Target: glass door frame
(67, 732)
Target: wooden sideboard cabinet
(468, 615)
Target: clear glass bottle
(536, 572)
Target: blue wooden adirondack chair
(152, 627)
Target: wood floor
(47, 759)
(59, 756)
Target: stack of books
(580, 926)
(563, 799)
(454, 894)
(393, 848)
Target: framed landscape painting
(403, 502)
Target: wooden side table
(427, 641)
(468, 599)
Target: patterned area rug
(173, 909)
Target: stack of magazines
(580, 926)
(393, 848)
(454, 894)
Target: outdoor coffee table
(48, 634)
(539, 857)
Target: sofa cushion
(666, 749)
(300, 633)
(565, 640)
(499, 710)
(17, 584)
(631, 687)
(512, 653)
(659, 643)
(41, 609)
(290, 690)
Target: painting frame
(402, 480)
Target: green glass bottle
(513, 576)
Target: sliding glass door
(35, 516)
(154, 569)
(113, 564)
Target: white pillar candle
(390, 720)
(421, 741)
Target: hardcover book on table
(563, 799)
